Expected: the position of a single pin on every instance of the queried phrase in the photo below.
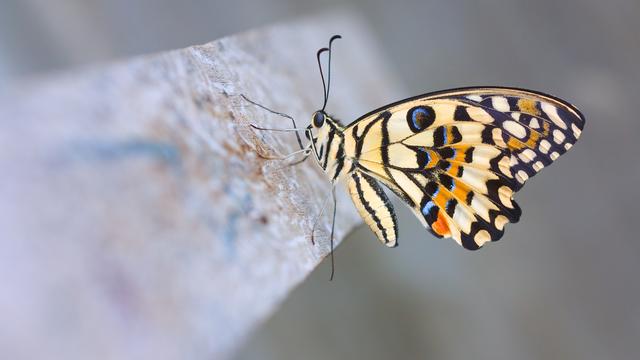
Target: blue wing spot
(420, 118)
(427, 208)
(431, 189)
(423, 157)
(418, 113)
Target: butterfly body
(455, 157)
(327, 142)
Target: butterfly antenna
(324, 85)
(326, 98)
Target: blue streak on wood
(110, 151)
(244, 204)
(230, 233)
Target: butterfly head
(318, 119)
(322, 130)
(319, 126)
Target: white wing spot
(476, 98)
(576, 131)
(522, 176)
(529, 154)
(482, 237)
(504, 193)
(523, 158)
(515, 128)
(552, 112)
(537, 166)
(500, 103)
(554, 155)
(504, 166)
(501, 221)
(558, 136)
(497, 137)
(568, 146)
(545, 146)
(534, 124)
(513, 161)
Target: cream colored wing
(374, 207)
(457, 157)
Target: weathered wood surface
(136, 219)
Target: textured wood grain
(136, 219)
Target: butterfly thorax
(328, 145)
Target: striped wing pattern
(374, 207)
(457, 157)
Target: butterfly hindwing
(374, 207)
(457, 157)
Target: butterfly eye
(318, 119)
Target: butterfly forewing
(457, 157)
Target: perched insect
(455, 157)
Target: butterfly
(455, 157)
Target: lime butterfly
(455, 157)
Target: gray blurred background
(562, 284)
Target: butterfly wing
(457, 157)
(374, 207)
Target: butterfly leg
(295, 127)
(306, 152)
(301, 160)
(332, 196)
(315, 223)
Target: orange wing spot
(528, 106)
(461, 152)
(440, 226)
(434, 158)
(532, 142)
(441, 199)
(545, 129)
(460, 192)
(453, 169)
(515, 144)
